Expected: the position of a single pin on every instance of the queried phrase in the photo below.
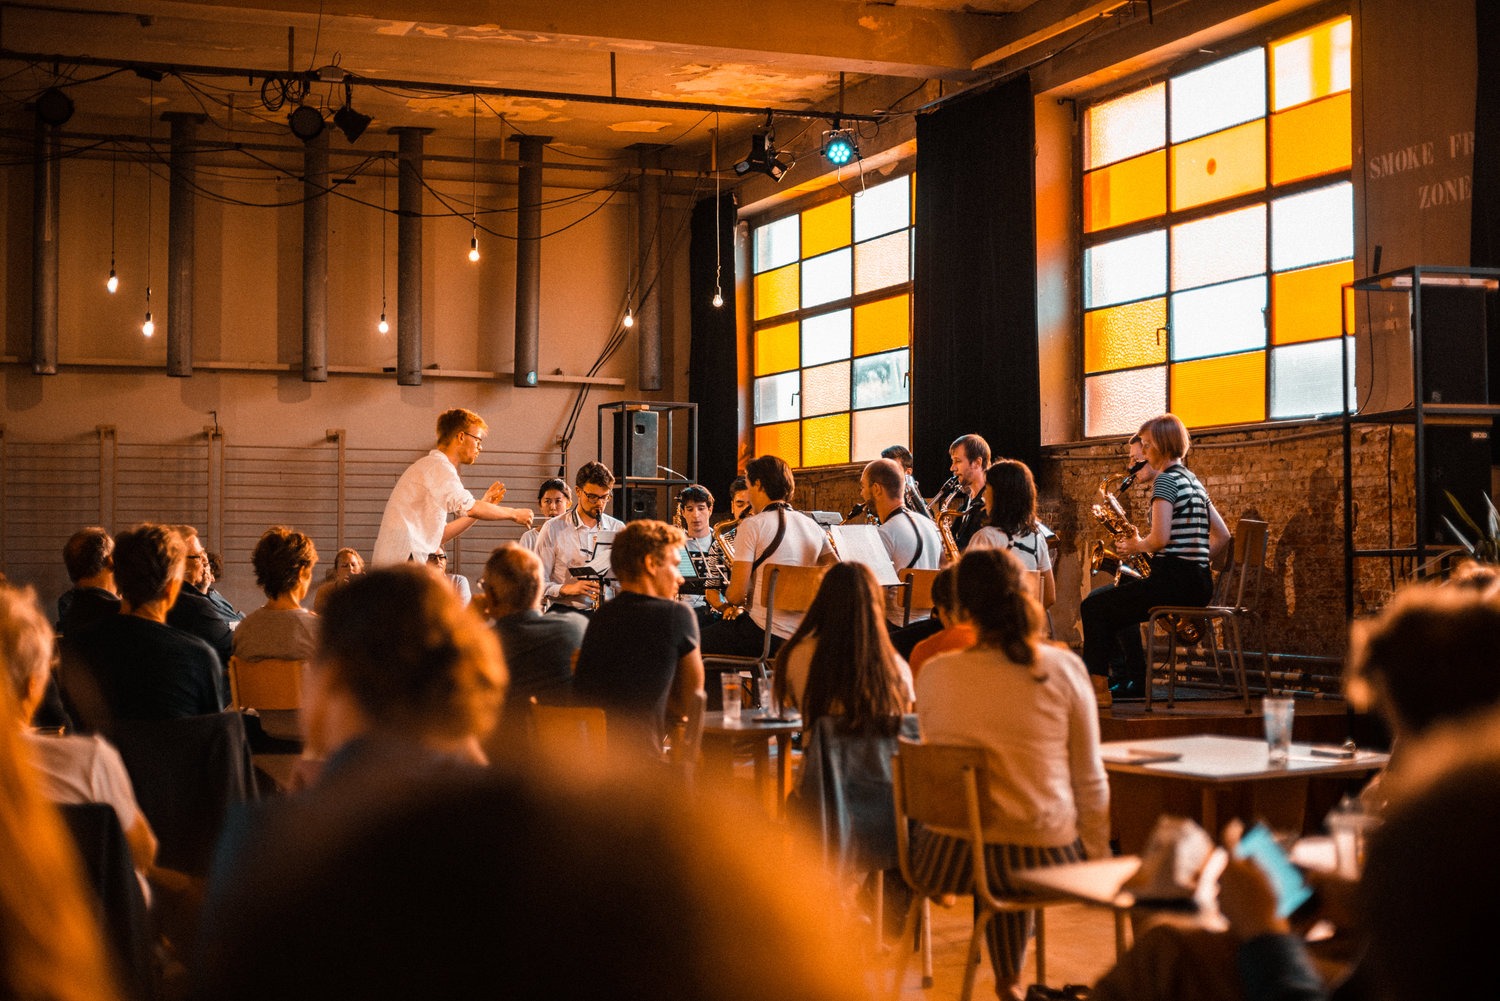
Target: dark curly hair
(279, 559)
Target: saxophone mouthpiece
(1135, 467)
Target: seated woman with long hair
(840, 661)
(1011, 524)
(1029, 706)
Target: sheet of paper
(862, 544)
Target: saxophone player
(969, 457)
(695, 508)
(1186, 531)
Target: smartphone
(1291, 889)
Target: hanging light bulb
(382, 326)
(718, 299)
(629, 320)
(148, 328)
(474, 246)
(114, 280)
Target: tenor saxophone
(1112, 517)
(945, 520)
(722, 552)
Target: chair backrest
(569, 730)
(790, 588)
(930, 782)
(1250, 542)
(918, 585)
(844, 795)
(266, 684)
(110, 871)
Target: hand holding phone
(1288, 886)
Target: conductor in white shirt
(415, 524)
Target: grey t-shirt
(279, 633)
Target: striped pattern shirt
(1189, 539)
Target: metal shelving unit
(670, 418)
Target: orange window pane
(1222, 165)
(777, 349)
(825, 440)
(1311, 64)
(1305, 304)
(778, 291)
(1228, 390)
(1125, 336)
(1126, 191)
(827, 227)
(1311, 139)
(784, 440)
(883, 325)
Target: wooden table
(1211, 767)
(721, 738)
(1096, 883)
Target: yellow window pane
(1222, 165)
(826, 227)
(883, 325)
(1311, 139)
(776, 349)
(1311, 64)
(1125, 336)
(784, 440)
(825, 440)
(877, 430)
(1125, 192)
(1305, 303)
(778, 291)
(1229, 390)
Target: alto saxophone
(1111, 516)
(945, 520)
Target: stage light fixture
(350, 122)
(763, 158)
(53, 107)
(840, 146)
(305, 122)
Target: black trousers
(736, 637)
(1108, 611)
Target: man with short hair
(193, 612)
(969, 457)
(143, 667)
(569, 540)
(89, 558)
(552, 499)
(695, 509)
(640, 661)
(538, 648)
(911, 541)
(415, 523)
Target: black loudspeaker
(1457, 461)
(634, 503)
(1455, 368)
(636, 443)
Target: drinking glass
(1278, 718)
(732, 690)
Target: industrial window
(832, 329)
(1218, 227)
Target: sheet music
(862, 544)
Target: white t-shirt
(1030, 549)
(802, 545)
(912, 541)
(418, 509)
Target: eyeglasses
(479, 441)
(195, 557)
(438, 558)
(597, 498)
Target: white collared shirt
(418, 509)
(912, 541)
(564, 542)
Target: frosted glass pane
(776, 349)
(1125, 336)
(1126, 126)
(1312, 139)
(776, 397)
(882, 262)
(1305, 378)
(882, 325)
(1122, 270)
(825, 440)
(882, 208)
(776, 292)
(1219, 95)
(777, 243)
(825, 338)
(1218, 166)
(1312, 64)
(1124, 192)
(1219, 248)
(876, 430)
(1228, 390)
(825, 228)
(1312, 228)
(784, 440)
(1120, 402)
(880, 380)
(825, 278)
(825, 389)
(1219, 319)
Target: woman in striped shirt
(1185, 533)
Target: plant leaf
(1468, 546)
(1464, 515)
(1494, 518)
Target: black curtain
(974, 346)
(1484, 234)
(712, 369)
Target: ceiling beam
(1044, 20)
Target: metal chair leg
(1041, 945)
(927, 979)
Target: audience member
(552, 499)
(347, 564)
(50, 943)
(840, 661)
(89, 558)
(281, 629)
(142, 667)
(538, 648)
(193, 612)
(1029, 706)
(216, 574)
(438, 561)
(956, 633)
(639, 660)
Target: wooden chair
(266, 684)
(944, 787)
(1236, 600)
(783, 589)
(564, 731)
(918, 586)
